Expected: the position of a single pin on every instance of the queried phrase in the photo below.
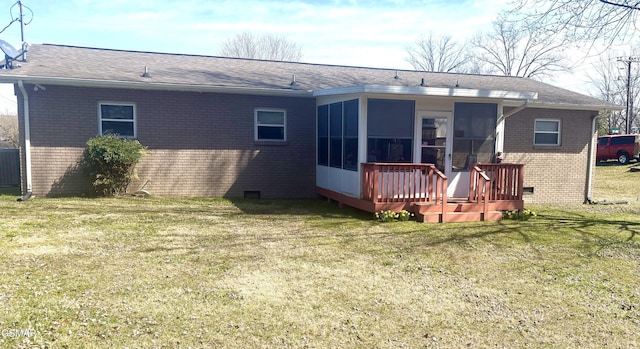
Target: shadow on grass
(434, 235)
(320, 222)
(596, 232)
(128, 206)
(315, 207)
(373, 238)
(587, 222)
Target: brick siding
(558, 174)
(200, 144)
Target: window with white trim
(547, 132)
(270, 124)
(117, 118)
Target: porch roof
(83, 66)
(455, 91)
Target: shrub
(109, 162)
(390, 216)
(519, 215)
(386, 216)
(404, 215)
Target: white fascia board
(568, 106)
(153, 86)
(429, 91)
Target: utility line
(6, 99)
(629, 112)
(8, 25)
(19, 17)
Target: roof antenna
(396, 77)
(21, 21)
(457, 83)
(146, 73)
(293, 81)
(10, 53)
(422, 83)
(25, 46)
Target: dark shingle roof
(77, 65)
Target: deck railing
(479, 185)
(492, 186)
(384, 183)
(506, 181)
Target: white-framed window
(547, 132)
(270, 124)
(117, 118)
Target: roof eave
(508, 96)
(154, 86)
(428, 91)
(574, 106)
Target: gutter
(567, 106)
(591, 153)
(27, 141)
(141, 85)
(511, 98)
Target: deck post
(374, 186)
(445, 183)
(520, 182)
(485, 199)
(473, 190)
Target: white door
(434, 132)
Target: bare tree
(439, 54)
(610, 88)
(610, 83)
(268, 46)
(583, 20)
(524, 49)
(9, 135)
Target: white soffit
(429, 91)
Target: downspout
(513, 111)
(27, 141)
(590, 163)
(500, 137)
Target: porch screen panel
(474, 134)
(350, 159)
(390, 118)
(390, 130)
(323, 135)
(335, 135)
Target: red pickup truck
(620, 147)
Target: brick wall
(200, 144)
(557, 174)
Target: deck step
(436, 217)
(424, 207)
(429, 217)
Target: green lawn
(615, 182)
(168, 273)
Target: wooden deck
(421, 189)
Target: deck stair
(457, 210)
